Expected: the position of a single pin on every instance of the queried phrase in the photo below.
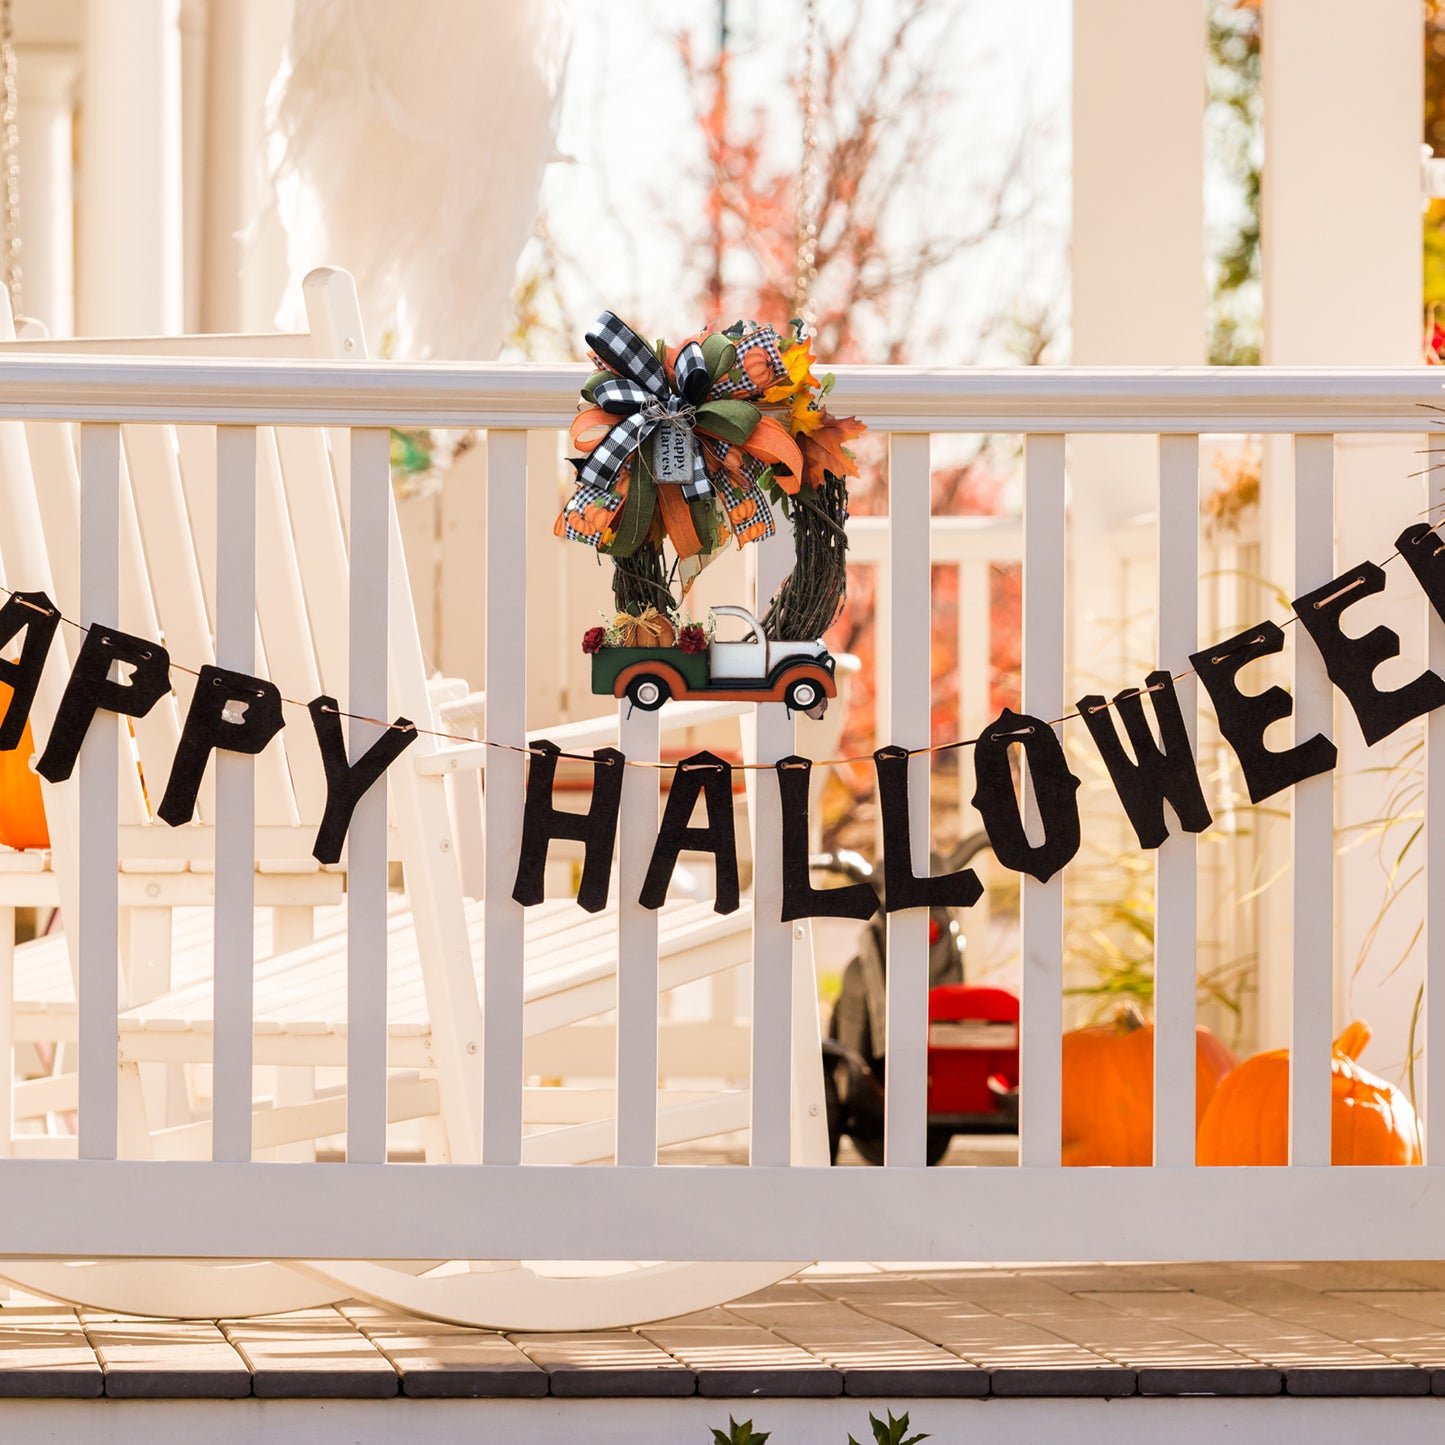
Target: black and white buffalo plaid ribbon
(641, 395)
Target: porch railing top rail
(904, 399)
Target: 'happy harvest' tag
(672, 452)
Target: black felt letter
(800, 898)
(1158, 774)
(37, 614)
(229, 710)
(91, 690)
(1421, 546)
(1351, 661)
(1243, 717)
(1053, 787)
(902, 887)
(709, 775)
(596, 829)
(348, 783)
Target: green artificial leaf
(411, 452)
(704, 522)
(635, 520)
(731, 419)
(592, 383)
(720, 355)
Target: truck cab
(752, 656)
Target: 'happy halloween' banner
(1148, 773)
(236, 712)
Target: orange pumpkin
(22, 814)
(1248, 1121)
(1108, 1104)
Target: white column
(45, 78)
(1138, 267)
(1342, 287)
(242, 253)
(1138, 233)
(1138, 300)
(130, 274)
(194, 21)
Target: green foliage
(1434, 228)
(1236, 121)
(892, 1433)
(743, 1434)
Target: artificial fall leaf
(804, 416)
(771, 443)
(798, 362)
(824, 450)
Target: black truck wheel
(803, 694)
(648, 692)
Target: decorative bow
(708, 389)
(641, 395)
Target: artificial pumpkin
(1248, 1121)
(22, 814)
(1108, 1104)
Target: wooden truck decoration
(682, 452)
(753, 668)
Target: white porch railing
(99, 1205)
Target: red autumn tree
(878, 107)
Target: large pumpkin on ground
(1248, 1121)
(1108, 1104)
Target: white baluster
(235, 798)
(1176, 863)
(908, 661)
(99, 773)
(506, 688)
(1042, 907)
(366, 930)
(1313, 833)
(638, 734)
(1433, 1092)
(773, 737)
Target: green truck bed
(611, 661)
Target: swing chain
(10, 157)
(805, 271)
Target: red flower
(593, 639)
(692, 639)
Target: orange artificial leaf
(771, 444)
(823, 449)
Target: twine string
(1216, 658)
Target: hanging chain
(805, 269)
(10, 156)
